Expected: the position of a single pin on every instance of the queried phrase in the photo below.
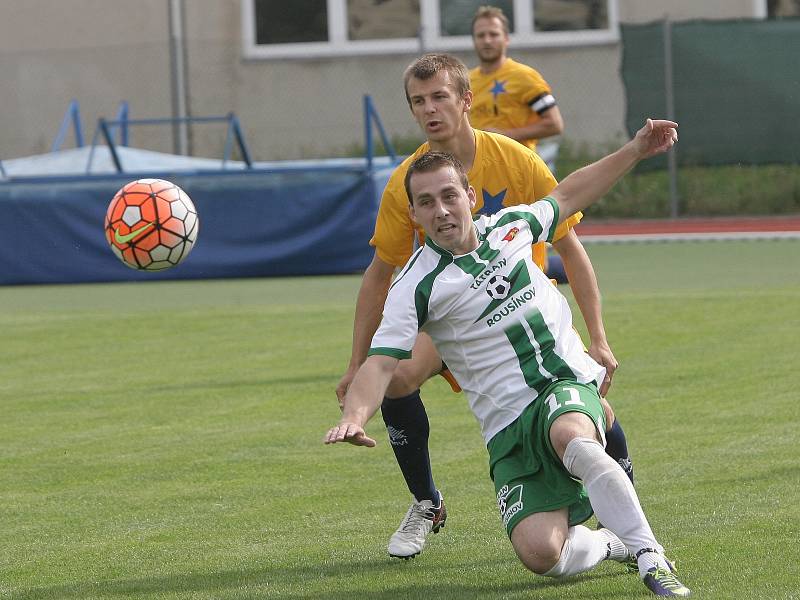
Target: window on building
(570, 15)
(382, 19)
(330, 28)
(456, 15)
(778, 9)
(281, 22)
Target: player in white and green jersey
(499, 323)
(506, 333)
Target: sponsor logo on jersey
(480, 278)
(512, 233)
(509, 501)
(519, 301)
(508, 292)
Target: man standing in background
(509, 98)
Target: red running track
(787, 226)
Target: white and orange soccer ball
(151, 224)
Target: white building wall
(103, 51)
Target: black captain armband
(542, 103)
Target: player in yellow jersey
(509, 97)
(504, 173)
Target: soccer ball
(151, 224)
(498, 287)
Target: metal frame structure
(371, 117)
(105, 129)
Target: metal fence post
(112, 148)
(72, 115)
(368, 131)
(669, 92)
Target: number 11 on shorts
(554, 404)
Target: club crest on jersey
(509, 501)
(512, 233)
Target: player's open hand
(348, 432)
(656, 137)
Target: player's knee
(410, 375)
(402, 384)
(538, 555)
(569, 426)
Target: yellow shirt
(504, 173)
(512, 96)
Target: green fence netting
(736, 88)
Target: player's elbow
(566, 205)
(554, 122)
(557, 125)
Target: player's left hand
(603, 355)
(656, 137)
(348, 432)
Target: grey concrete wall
(642, 11)
(96, 51)
(104, 51)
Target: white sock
(613, 498)
(616, 549)
(583, 550)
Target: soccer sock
(612, 496)
(408, 429)
(617, 448)
(584, 549)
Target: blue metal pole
(76, 124)
(72, 114)
(237, 131)
(226, 154)
(368, 131)
(111, 147)
(122, 117)
(384, 138)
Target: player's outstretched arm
(363, 399)
(587, 185)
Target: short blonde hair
(490, 12)
(428, 65)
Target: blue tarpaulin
(303, 221)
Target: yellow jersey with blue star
(504, 173)
(512, 96)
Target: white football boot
(422, 518)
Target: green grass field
(163, 440)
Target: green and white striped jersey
(501, 326)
